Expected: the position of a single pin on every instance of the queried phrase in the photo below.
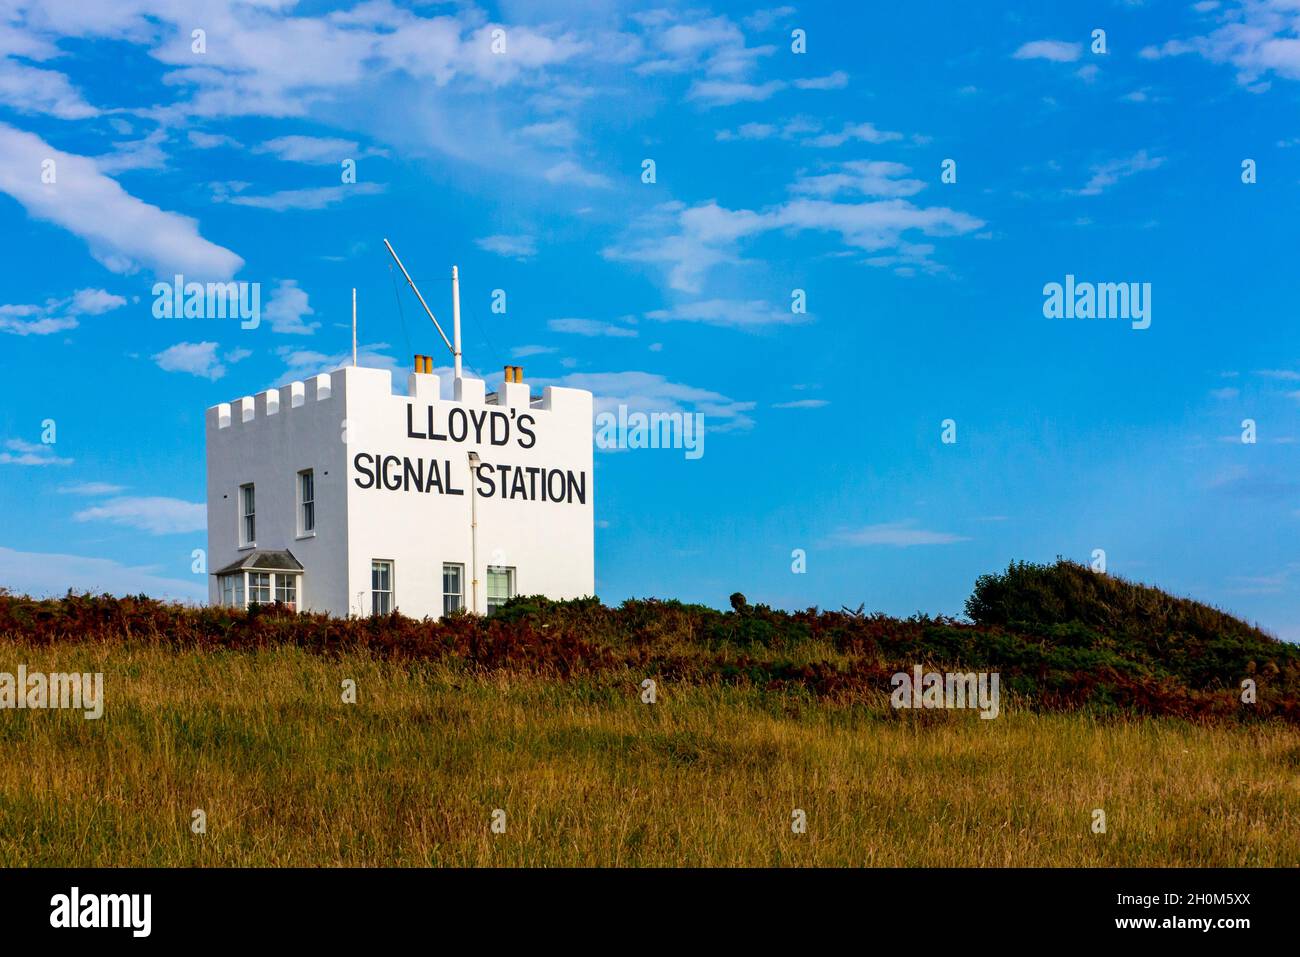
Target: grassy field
(587, 774)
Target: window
(232, 590)
(306, 502)
(453, 588)
(500, 586)
(286, 590)
(259, 588)
(248, 515)
(381, 587)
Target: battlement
(376, 386)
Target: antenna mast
(455, 316)
(354, 325)
(454, 350)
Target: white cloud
(727, 92)
(558, 133)
(1108, 174)
(318, 197)
(30, 89)
(144, 153)
(196, 358)
(512, 247)
(302, 364)
(210, 141)
(123, 232)
(523, 352)
(94, 302)
(748, 131)
(90, 488)
(897, 535)
(1058, 51)
(735, 313)
(287, 308)
(802, 404)
(1256, 38)
(865, 177)
(855, 132)
(156, 515)
(312, 149)
(833, 81)
(714, 46)
(591, 327)
(57, 315)
(650, 392)
(761, 20)
(689, 241)
(42, 574)
(14, 320)
(568, 172)
(19, 452)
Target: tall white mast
(354, 325)
(455, 317)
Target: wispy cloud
(734, 313)
(123, 233)
(1107, 174)
(651, 392)
(802, 404)
(198, 359)
(318, 197)
(20, 452)
(288, 308)
(90, 488)
(51, 574)
(896, 535)
(327, 150)
(519, 247)
(591, 327)
(1058, 51)
(154, 514)
(57, 315)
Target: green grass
(588, 775)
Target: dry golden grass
(588, 775)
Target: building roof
(264, 559)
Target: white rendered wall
(269, 449)
(549, 543)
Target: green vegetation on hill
(1060, 636)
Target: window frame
(237, 589)
(247, 515)
(459, 594)
(279, 580)
(391, 591)
(306, 506)
(270, 587)
(511, 585)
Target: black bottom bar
(367, 906)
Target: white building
(336, 495)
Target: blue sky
(774, 171)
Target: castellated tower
(335, 495)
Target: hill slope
(1061, 636)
